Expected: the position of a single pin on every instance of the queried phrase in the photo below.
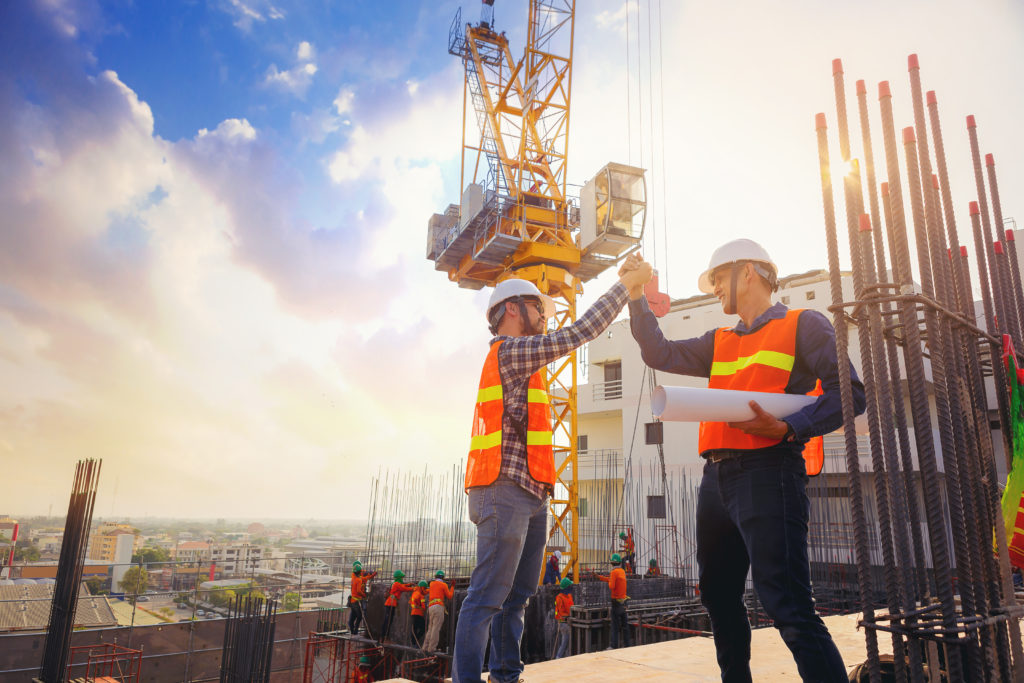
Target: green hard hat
(357, 565)
(622, 534)
(616, 558)
(423, 584)
(653, 562)
(364, 660)
(439, 573)
(399, 575)
(566, 582)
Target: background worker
(563, 608)
(616, 581)
(362, 673)
(438, 592)
(357, 596)
(628, 551)
(752, 506)
(552, 571)
(510, 471)
(417, 609)
(394, 595)
(653, 569)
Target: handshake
(634, 274)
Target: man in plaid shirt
(507, 502)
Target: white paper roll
(690, 404)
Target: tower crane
(517, 216)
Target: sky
(213, 215)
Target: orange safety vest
(416, 602)
(484, 462)
(563, 604)
(759, 361)
(397, 588)
(439, 590)
(616, 582)
(359, 582)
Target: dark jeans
(355, 615)
(752, 512)
(419, 627)
(619, 622)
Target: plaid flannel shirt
(520, 357)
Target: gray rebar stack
(963, 603)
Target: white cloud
(343, 102)
(230, 130)
(297, 79)
(246, 13)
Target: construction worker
(362, 672)
(628, 551)
(357, 596)
(563, 608)
(394, 595)
(653, 569)
(510, 471)
(552, 572)
(417, 609)
(752, 506)
(438, 592)
(616, 581)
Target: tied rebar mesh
(968, 609)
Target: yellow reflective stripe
(489, 394)
(774, 359)
(485, 441)
(537, 396)
(538, 438)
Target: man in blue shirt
(752, 507)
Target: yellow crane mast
(517, 216)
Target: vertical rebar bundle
(248, 641)
(57, 647)
(956, 592)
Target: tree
(291, 601)
(24, 551)
(135, 582)
(149, 555)
(96, 586)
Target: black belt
(719, 455)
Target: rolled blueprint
(690, 404)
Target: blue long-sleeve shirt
(816, 359)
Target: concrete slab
(693, 659)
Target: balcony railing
(607, 391)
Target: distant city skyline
(212, 268)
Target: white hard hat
(515, 287)
(558, 554)
(731, 252)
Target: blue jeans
(511, 530)
(562, 639)
(619, 623)
(752, 512)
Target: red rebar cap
(837, 66)
(930, 97)
(974, 209)
(963, 251)
(935, 181)
(908, 134)
(912, 62)
(819, 121)
(861, 88)
(1010, 237)
(949, 254)
(883, 90)
(970, 121)
(990, 160)
(865, 222)
(998, 246)
(885, 189)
